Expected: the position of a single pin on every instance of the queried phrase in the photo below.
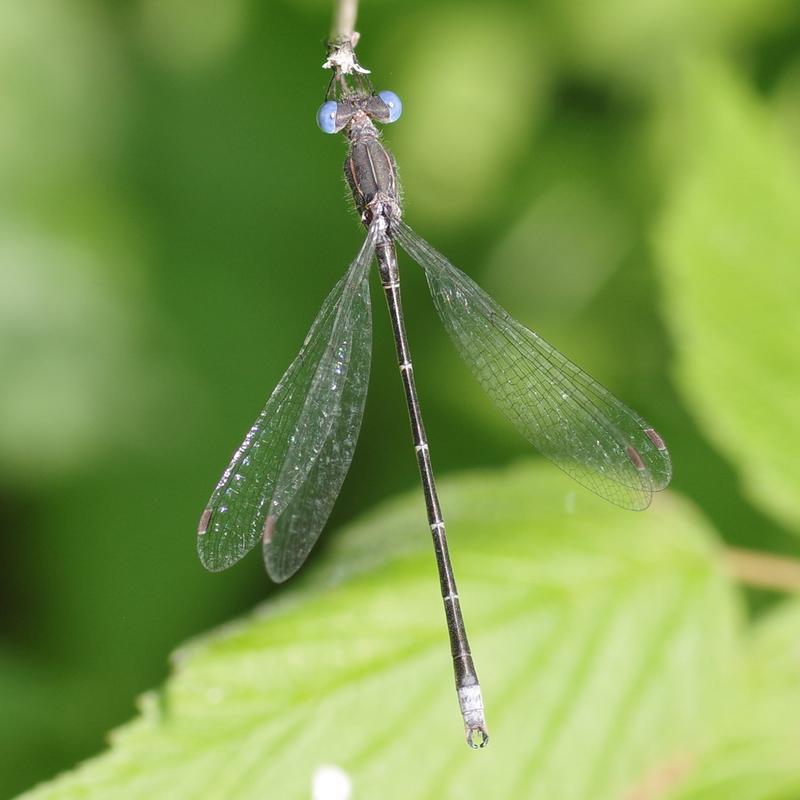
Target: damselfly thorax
(371, 172)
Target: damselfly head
(334, 116)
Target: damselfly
(282, 482)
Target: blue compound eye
(326, 117)
(394, 103)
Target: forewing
(564, 413)
(283, 446)
(301, 507)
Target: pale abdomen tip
(471, 702)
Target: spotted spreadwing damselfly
(281, 484)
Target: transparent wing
(283, 480)
(565, 414)
(290, 535)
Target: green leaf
(601, 637)
(755, 757)
(729, 245)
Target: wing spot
(653, 436)
(205, 518)
(635, 457)
(269, 528)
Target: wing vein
(562, 411)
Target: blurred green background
(621, 176)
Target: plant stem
(344, 20)
(766, 571)
(341, 46)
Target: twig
(344, 21)
(778, 573)
(341, 53)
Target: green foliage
(755, 757)
(622, 176)
(440, 49)
(730, 243)
(606, 634)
